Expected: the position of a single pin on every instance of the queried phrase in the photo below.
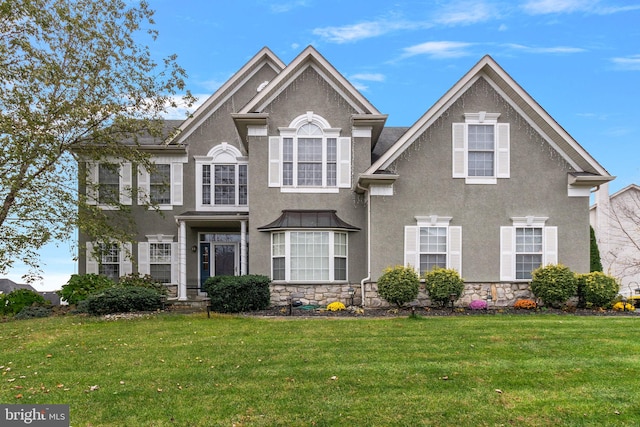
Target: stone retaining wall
(503, 294)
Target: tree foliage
(595, 262)
(76, 79)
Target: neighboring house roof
(291, 219)
(265, 57)
(520, 101)
(620, 192)
(7, 285)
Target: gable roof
(519, 100)
(265, 57)
(629, 187)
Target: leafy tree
(76, 79)
(596, 264)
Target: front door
(218, 259)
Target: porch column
(182, 244)
(243, 248)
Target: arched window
(309, 154)
(221, 178)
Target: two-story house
(288, 171)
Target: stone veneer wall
(503, 294)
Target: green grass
(187, 370)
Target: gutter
(368, 278)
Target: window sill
(310, 190)
(479, 180)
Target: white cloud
(372, 77)
(503, 27)
(438, 50)
(541, 7)
(284, 7)
(365, 30)
(466, 12)
(181, 112)
(553, 49)
(627, 63)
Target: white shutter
(176, 184)
(274, 161)
(92, 263)
(411, 246)
(507, 254)
(175, 262)
(502, 150)
(92, 180)
(550, 241)
(459, 149)
(126, 266)
(455, 249)
(344, 162)
(143, 258)
(144, 185)
(125, 183)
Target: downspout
(368, 278)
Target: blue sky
(579, 59)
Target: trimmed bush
(13, 302)
(235, 294)
(441, 283)
(597, 288)
(399, 285)
(525, 304)
(32, 312)
(554, 284)
(80, 286)
(146, 281)
(122, 300)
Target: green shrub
(142, 281)
(399, 285)
(597, 289)
(441, 283)
(235, 294)
(34, 311)
(16, 300)
(80, 286)
(554, 284)
(122, 300)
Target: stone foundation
(503, 294)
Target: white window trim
(93, 181)
(412, 241)
(124, 259)
(176, 179)
(508, 245)
(331, 255)
(221, 154)
(343, 156)
(460, 151)
(144, 259)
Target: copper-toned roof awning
(308, 219)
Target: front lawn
(187, 370)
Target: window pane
(529, 240)
(225, 185)
(242, 184)
(160, 252)
(433, 239)
(108, 183)
(159, 182)
(278, 269)
(481, 137)
(160, 272)
(310, 255)
(481, 150)
(480, 163)
(206, 184)
(429, 261)
(340, 269)
(525, 264)
(310, 174)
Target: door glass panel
(225, 260)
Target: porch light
(194, 248)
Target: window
(433, 243)
(228, 186)
(160, 262)
(528, 251)
(303, 256)
(160, 189)
(433, 248)
(222, 179)
(109, 261)
(108, 183)
(525, 246)
(310, 156)
(162, 186)
(481, 149)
